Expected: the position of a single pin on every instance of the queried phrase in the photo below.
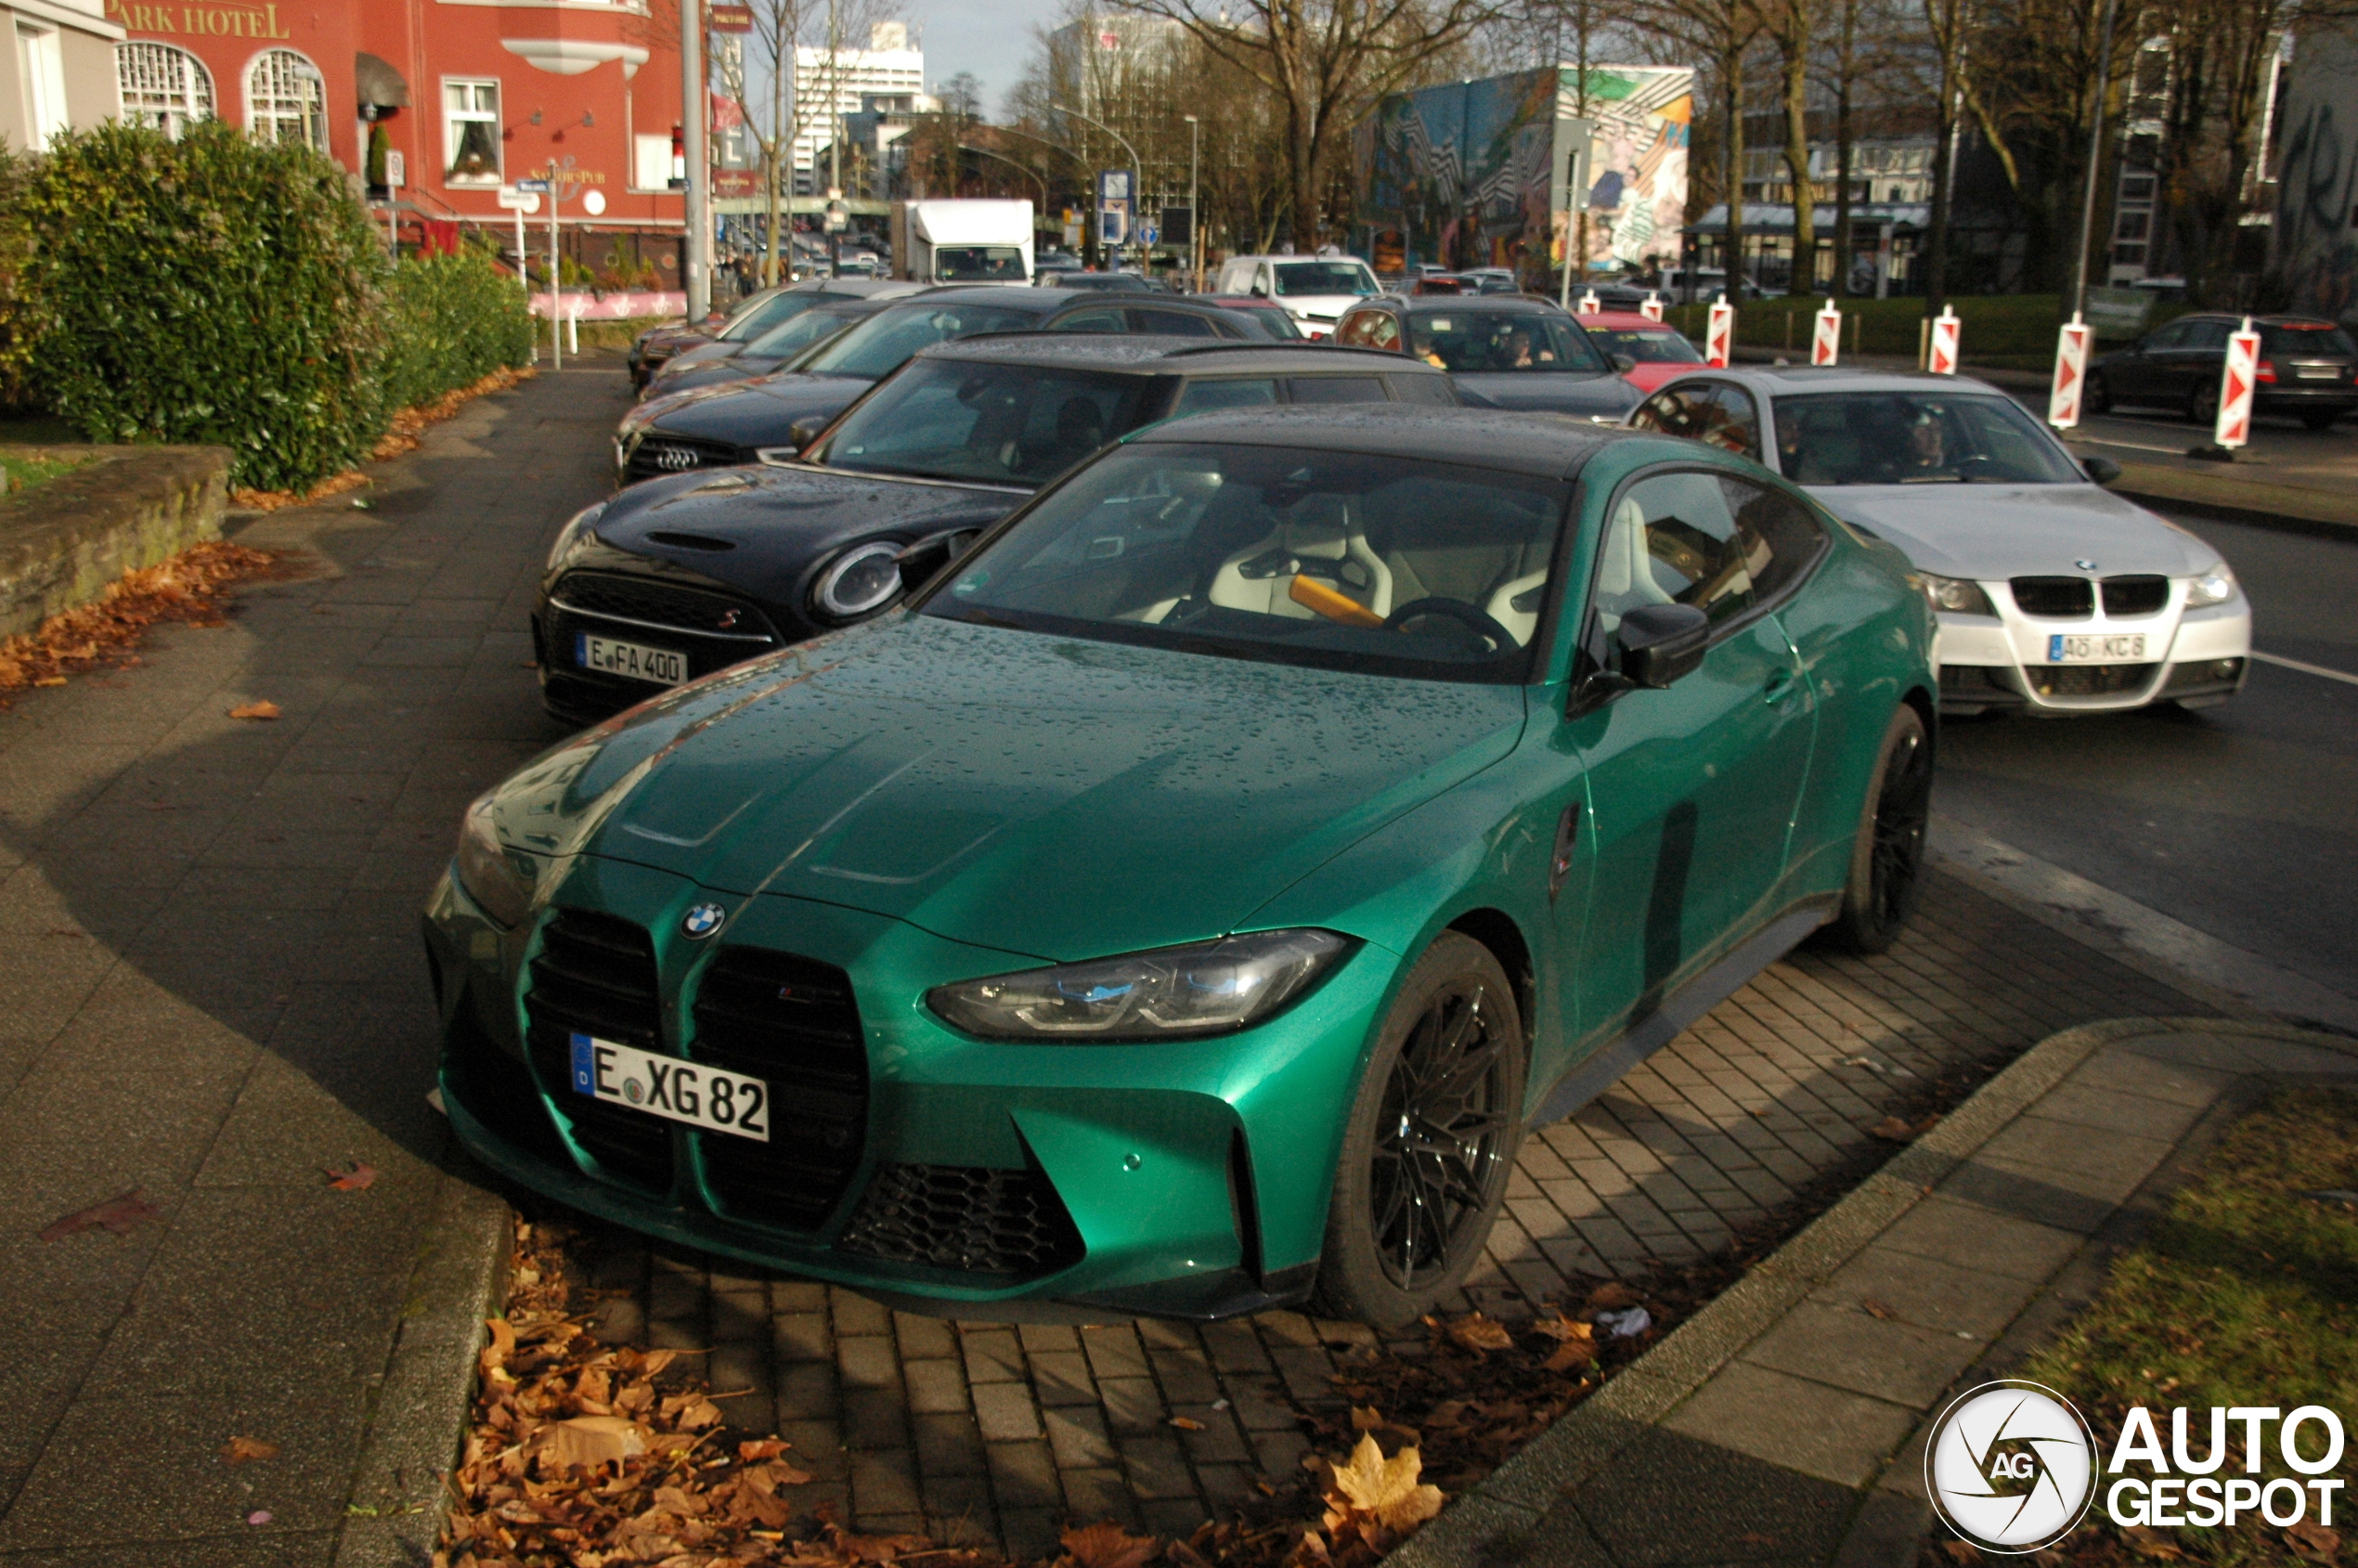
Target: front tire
(2320, 418)
(2202, 405)
(1431, 1142)
(1887, 858)
(2098, 394)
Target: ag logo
(2012, 1467)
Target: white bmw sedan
(2054, 595)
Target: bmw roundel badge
(2085, 565)
(702, 920)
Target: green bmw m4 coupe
(1188, 900)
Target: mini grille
(964, 1218)
(2135, 596)
(2055, 598)
(658, 455)
(2087, 680)
(596, 975)
(663, 603)
(793, 1023)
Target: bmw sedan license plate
(2127, 647)
(638, 661)
(689, 1092)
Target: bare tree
(1720, 33)
(1792, 26)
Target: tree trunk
(1732, 75)
(1302, 175)
(1803, 279)
(1845, 62)
(1936, 257)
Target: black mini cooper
(682, 576)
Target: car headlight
(1959, 596)
(574, 535)
(498, 879)
(1177, 993)
(862, 579)
(2214, 586)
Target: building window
(471, 131)
(42, 68)
(165, 88)
(286, 99)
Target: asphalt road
(2240, 821)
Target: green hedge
(214, 288)
(453, 320)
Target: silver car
(2054, 595)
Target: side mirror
(1623, 364)
(1257, 292)
(1661, 642)
(921, 562)
(802, 433)
(2104, 471)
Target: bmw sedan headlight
(498, 879)
(2214, 586)
(1959, 596)
(574, 535)
(1173, 993)
(862, 579)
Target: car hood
(1045, 795)
(1322, 308)
(757, 413)
(1549, 392)
(766, 531)
(1989, 532)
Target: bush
(214, 288)
(452, 321)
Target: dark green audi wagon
(1187, 900)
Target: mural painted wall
(2316, 229)
(1458, 174)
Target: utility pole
(1137, 190)
(1195, 215)
(2096, 162)
(699, 172)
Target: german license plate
(635, 660)
(2126, 647)
(689, 1092)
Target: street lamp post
(1137, 189)
(1194, 214)
(1027, 169)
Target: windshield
(2292, 343)
(772, 312)
(1342, 559)
(979, 264)
(1914, 438)
(810, 327)
(1479, 339)
(1274, 324)
(1651, 345)
(1295, 278)
(883, 343)
(1002, 424)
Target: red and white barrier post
(1942, 360)
(1720, 335)
(2241, 378)
(1826, 347)
(2071, 373)
(1588, 304)
(1651, 309)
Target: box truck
(973, 241)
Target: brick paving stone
(1004, 1411)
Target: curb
(401, 1488)
(1496, 1521)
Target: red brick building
(468, 94)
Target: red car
(1657, 352)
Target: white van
(962, 242)
(1315, 290)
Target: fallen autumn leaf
(237, 1450)
(117, 1214)
(358, 1179)
(256, 711)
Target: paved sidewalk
(215, 991)
(998, 1433)
(1786, 1422)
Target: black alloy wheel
(1432, 1139)
(2320, 418)
(2098, 394)
(1888, 861)
(2202, 405)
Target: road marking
(2105, 919)
(2346, 678)
(2077, 439)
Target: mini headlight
(1959, 596)
(2214, 586)
(1177, 993)
(498, 879)
(573, 534)
(862, 579)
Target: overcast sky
(991, 38)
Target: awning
(377, 83)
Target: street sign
(736, 185)
(2071, 373)
(2120, 313)
(515, 199)
(837, 218)
(532, 185)
(730, 18)
(1147, 234)
(1942, 359)
(1072, 229)
(396, 169)
(2237, 386)
(593, 202)
(1113, 207)
(1720, 336)
(1177, 225)
(1568, 178)
(1825, 348)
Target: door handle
(1780, 686)
(1559, 861)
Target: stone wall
(63, 541)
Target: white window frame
(269, 109)
(176, 93)
(42, 72)
(452, 119)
